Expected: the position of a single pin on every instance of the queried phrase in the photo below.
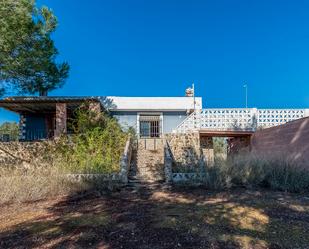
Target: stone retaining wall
(125, 162)
(185, 150)
(25, 154)
(30, 154)
(168, 163)
(171, 174)
(184, 159)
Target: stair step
(147, 163)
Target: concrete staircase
(147, 161)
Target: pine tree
(27, 52)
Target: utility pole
(246, 91)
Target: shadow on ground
(152, 216)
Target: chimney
(189, 92)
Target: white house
(153, 116)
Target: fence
(37, 134)
(243, 119)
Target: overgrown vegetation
(249, 171)
(96, 145)
(276, 172)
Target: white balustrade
(273, 117)
(243, 119)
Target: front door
(149, 126)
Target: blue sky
(158, 48)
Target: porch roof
(42, 104)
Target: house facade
(153, 116)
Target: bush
(96, 145)
(249, 171)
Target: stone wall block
(61, 119)
(185, 150)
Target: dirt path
(156, 217)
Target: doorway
(149, 126)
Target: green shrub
(96, 145)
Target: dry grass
(20, 184)
(246, 170)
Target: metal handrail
(37, 134)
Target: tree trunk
(43, 93)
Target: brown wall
(289, 140)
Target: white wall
(170, 119)
(155, 103)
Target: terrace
(46, 117)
